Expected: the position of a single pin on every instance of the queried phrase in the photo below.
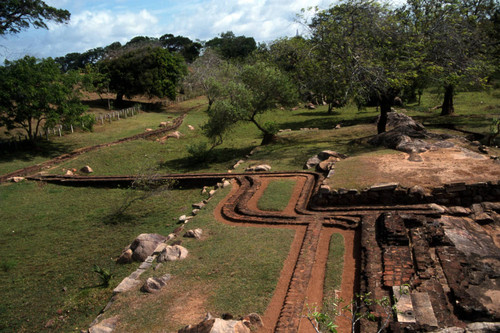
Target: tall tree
(299, 59)
(457, 36)
(16, 15)
(208, 74)
(257, 88)
(231, 46)
(366, 52)
(149, 70)
(189, 49)
(35, 93)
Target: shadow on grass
(217, 156)
(328, 122)
(27, 151)
(118, 218)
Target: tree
(366, 51)
(96, 81)
(34, 93)
(186, 47)
(148, 70)
(257, 88)
(457, 35)
(209, 73)
(16, 15)
(299, 60)
(230, 46)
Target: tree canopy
(256, 89)
(153, 71)
(16, 15)
(231, 46)
(34, 93)
(458, 41)
(366, 53)
(189, 49)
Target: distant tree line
(357, 51)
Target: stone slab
(126, 285)
(424, 312)
(404, 305)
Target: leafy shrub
(199, 152)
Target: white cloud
(86, 30)
(97, 23)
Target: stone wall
(453, 194)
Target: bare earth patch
(438, 167)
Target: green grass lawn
(276, 195)
(333, 273)
(51, 237)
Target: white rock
(196, 233)
(86, 169)
(172, 253)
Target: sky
(98, 23)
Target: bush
(199, 152)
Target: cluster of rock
(174, 135)
(407, 135)
(324, 161)
(147, 248)
(210, 324)
(71, 172)
(237, 164)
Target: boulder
(261, 167)
(196, 233)
(69, 173)
(148, 130)
(125, 257)
(153, 285)
(198, 205)
(164, 123)
(16, 179)
(191, 127)
(417, 191)
(312, 162)
(86, 169)
(247, 324)
(175, 135)
(172, 253)
(105, 326)
(327, 164)
(144, 246)
(126, 285)
(326, 154)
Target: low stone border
(459, 194)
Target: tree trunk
(385, 107)
(330, 108)
(268, 138)
(447, 107)
(119, 99)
